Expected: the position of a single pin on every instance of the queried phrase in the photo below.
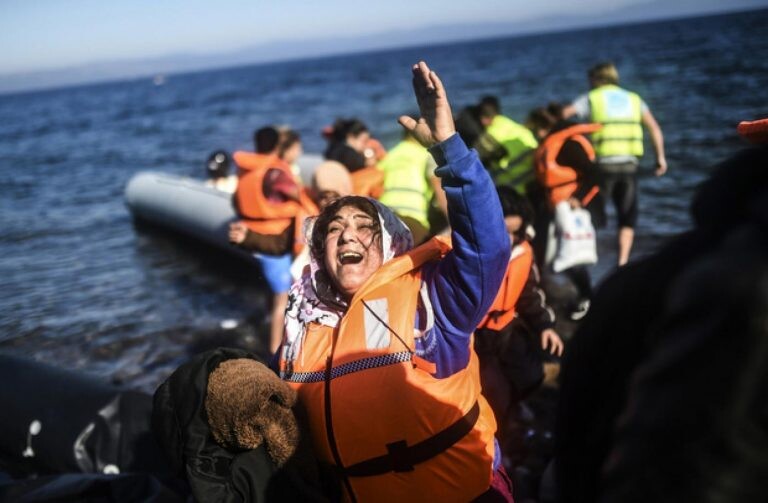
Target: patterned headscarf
(314, 298)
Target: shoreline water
(84, 289)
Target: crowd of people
(549, 160)
(416, 320)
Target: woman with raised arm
(378, 333)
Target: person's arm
(270, 244)
(551, 341)
(579, 109)
(573, 154)
(464, 283)
(568, 111)
(657, 139)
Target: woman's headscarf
(313, 297)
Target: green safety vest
(407, 190)
(620, 113)
(516, 167)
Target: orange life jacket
(379, 152)
(502, 311)
(368, 182)
(376, 412)
(562, 181)
(264, 216)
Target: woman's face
(359, 142)
(293, 152)
(513, 223)
(352, 249)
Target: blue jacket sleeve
(463, 285)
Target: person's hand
(549, 338)
(237, 232)
(661, 167)
(575, 203)
(436, 122)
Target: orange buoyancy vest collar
(376, 412)
(562, 181)
(502, 311)
(260, 214)
(368, 182)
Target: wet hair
(323, 221)
(265, 140)
(217, 165)
(555, 108)
(345, 127)
(288, 138)
(541, 118)
(603, 73)
(489, 106)
(515, 204)
(468, 125)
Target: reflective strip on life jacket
(392, 430)
(561, 181)
(620, 113)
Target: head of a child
(518, 213)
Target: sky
(37, 35)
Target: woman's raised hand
(436, 122)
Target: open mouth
(350, 257)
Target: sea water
(84, 288)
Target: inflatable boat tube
(190, 207)
(57, 421)
(183, 205)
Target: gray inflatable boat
(189, 206)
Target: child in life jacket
(272, 207)
(513, 338)
(565, 171)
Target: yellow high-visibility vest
(407, 190)
(620, 113)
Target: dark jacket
(346, 155)
(673, 350)
(532, 305)
(214, 473)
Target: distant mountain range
(299, 49)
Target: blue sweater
(463, 285)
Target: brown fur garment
(247, 404)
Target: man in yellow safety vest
(619, 144)
(515, 167)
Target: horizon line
(577, 27)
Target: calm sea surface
(82, 287)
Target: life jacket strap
(402, 457)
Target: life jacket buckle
(399, 455)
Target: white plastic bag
(575, 237)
